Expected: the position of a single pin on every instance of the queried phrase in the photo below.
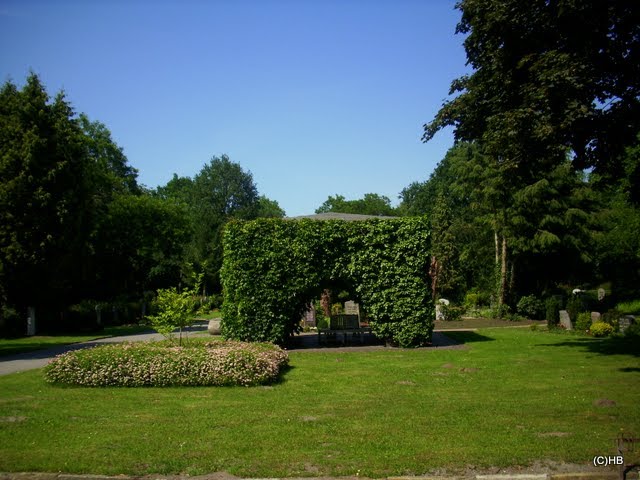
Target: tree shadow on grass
(468, 337)
(603, 346)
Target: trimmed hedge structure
(273, 268)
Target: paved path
(39, 358)
(306, 342)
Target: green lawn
(10, 346)
(512, 397)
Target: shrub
(612, 317)
(451, 312)
(503, 311)
(159, 364)
(601, 329)
(322, 322)
(633, 331)
(530, 307)
(576, 304)
(552, 310)
(337, 309)
(583, 322)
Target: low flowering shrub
(158, 364)
(601, 329)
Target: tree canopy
(370, 204)
(548, 77)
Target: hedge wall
(273, 268)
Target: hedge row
(162, 365)
(273, 268)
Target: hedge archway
(273, 268)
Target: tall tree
(549, 77)
(46, 217)
(221, 190)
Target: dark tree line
(77, 228)
(546, 163)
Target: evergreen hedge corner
(273, 268)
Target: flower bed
(162, 365)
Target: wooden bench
(345, 325)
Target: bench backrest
(344, 322)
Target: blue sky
(315, 98)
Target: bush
(322, 321)
(553, 305)
(633, 331)
(451, 312)
(530, 307)
(583, 322)
(337, 309)
(576, 304)
(601, 329)
(612, 317)
(160, 364)
(503, 312)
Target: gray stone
(565, 320)
(351, 308)
(214, 327)
(625, 322)
(596, 317)
(601, 294)
(309, 317)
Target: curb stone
(606, 475)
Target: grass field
(511, 397)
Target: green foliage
(269, 208)
(158, 365)
(541, 86)
(553, 305)
(530, 307)
(583, 322)
(370, 204)
(175, 309)
(601, 329)
(631, 307)
(576, 304)
(337, 309)
(273, 268)
(452, 312)
(322, 321)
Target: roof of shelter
(349, 217)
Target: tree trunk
(503, 273)
(325, 301)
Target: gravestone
(439, 310)
(596, 317)
(625, 322)
(351, 308)
(310, 317)
(31, 321)
(565, 320)
(601, 294)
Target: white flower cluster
(157, 365)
